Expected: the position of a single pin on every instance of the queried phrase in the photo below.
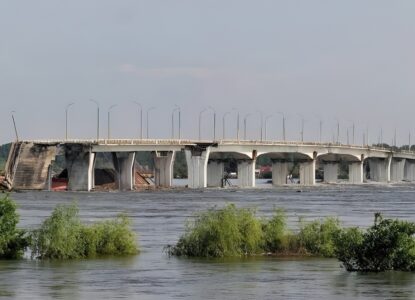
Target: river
(159, 217)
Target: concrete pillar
(197, 160)
(409, 170)
(308, 172)
(380, 169)
(80, 165)
(215, 170)
(124, 167)
(246, 173)
(163, 165)
(356, 172)
(330, 171)
(280, 171)
(397, 170)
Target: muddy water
(159, 216)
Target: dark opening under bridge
(29, 162)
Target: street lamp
(223, 124)
(237, 127)
(14, 125)
(140, 113)
(66, 119)
(148, 110)
(214, 121)
(245, 119)
(200, 122)
(177, 108)
(338, 131)
(262, 123)
(265, 126)
(96, 102)
(302, 128)
(109, 115)
(283, 124)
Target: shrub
(13, 241)
(220, 233)
(387, 245)
(318, 236)
(277, 238)
(59, 235)
(63, 236)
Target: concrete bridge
(29, 162)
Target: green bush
(220, 233)
(13, 241)
(63, 236)
(277, 238)
(387, 245)
(318, 237)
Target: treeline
(63, 235)
(230, 231)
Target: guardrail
(188, 142)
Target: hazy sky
(351, 61)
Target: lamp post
(302, 128)
(237, 127)
(338, 131)
(283, 124)
(96, 102)
(14, 125)
(109, 120)
(214, 121)
(140, 124)
(200, 122)
(261, 115)
(223, 124)
(176, 108)
(147, 113)
(245, 119)
(265, 126)
(66, 119)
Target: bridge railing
(187, 142)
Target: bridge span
(29, 162)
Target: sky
(334, 62)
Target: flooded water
(159, 217)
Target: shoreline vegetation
(389, 244)
(63, 236)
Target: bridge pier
(380, 169)
(280, 171)
(197, 160)
(356, 172)
(409, 170)
(397, 170)
(246, 173)
(215, 170)
(308, 172)
(163, 165)
(124, 167)
(330, 172)
(80, 164)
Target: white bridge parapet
(205, 160)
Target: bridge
(29, 162)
